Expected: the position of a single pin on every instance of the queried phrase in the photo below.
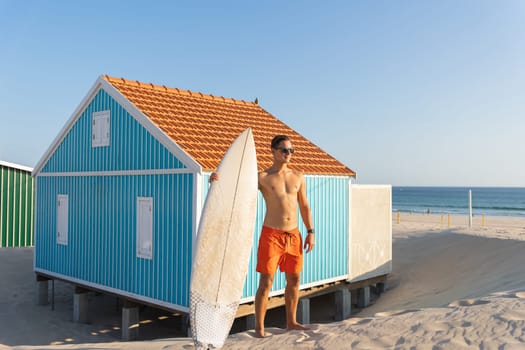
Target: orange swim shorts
(279, 248)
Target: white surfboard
(224, 242)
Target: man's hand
(309, 242)
(214, 177)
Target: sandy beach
(452, 287)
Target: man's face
(283, 152)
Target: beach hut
(16, 205)
(120, 190)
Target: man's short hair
(278, 139)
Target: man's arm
(306, 215)
(260, 176)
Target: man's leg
(291, 299)
(261, 303)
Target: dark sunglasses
(285, 150)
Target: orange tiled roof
(205, 125)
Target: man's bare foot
(297, 326)
(259, 333)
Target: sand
(452, 287)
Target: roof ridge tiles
(164, 88)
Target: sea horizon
(454, 200)
(457, 186)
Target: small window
(145, 227)
(62, 219)
(100, 131)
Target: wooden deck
(278, 301)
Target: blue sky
(403, 92)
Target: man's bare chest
(282, 186)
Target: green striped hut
(16, 205)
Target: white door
(145, 227)
(62, 219)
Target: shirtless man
(280, 243)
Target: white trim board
(350, 231)
(115, 291)
(120, 173)
(15, 166)
(197, 210)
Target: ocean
(492, 201)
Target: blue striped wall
(102, 233)
(328, 197)
(132, 147)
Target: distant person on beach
(280, 243)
